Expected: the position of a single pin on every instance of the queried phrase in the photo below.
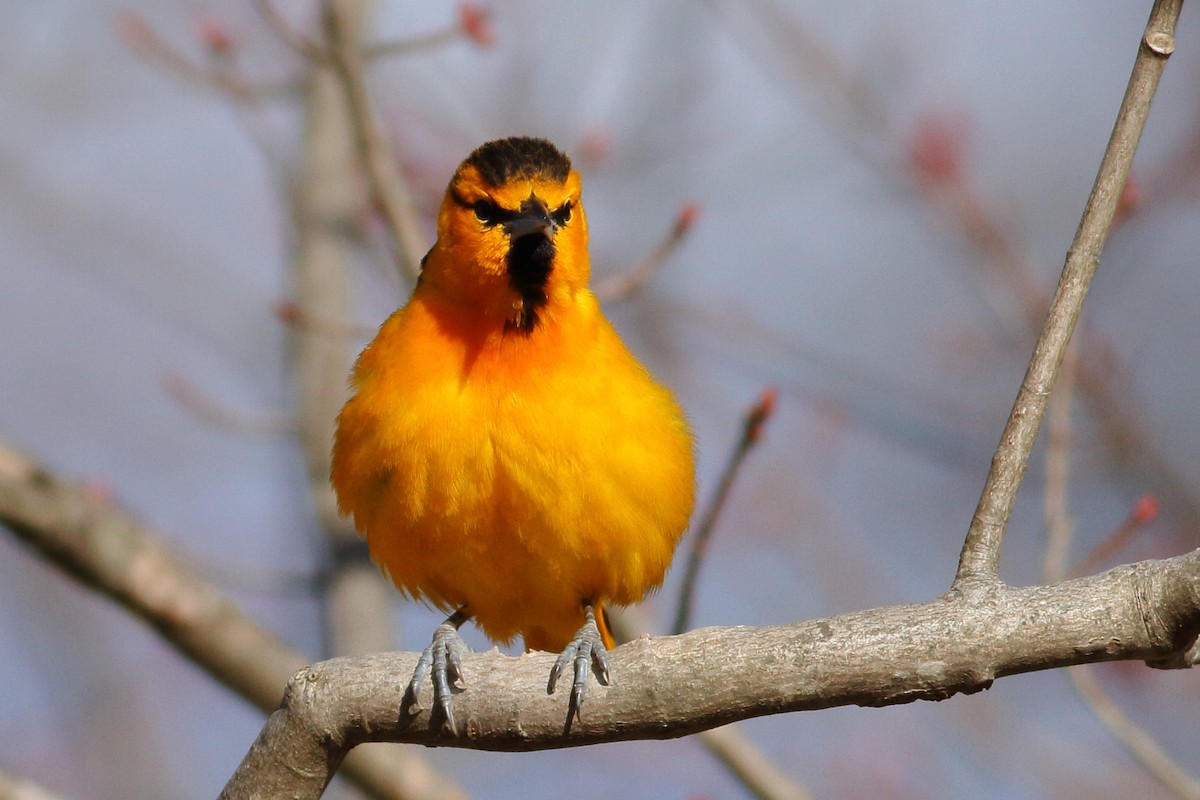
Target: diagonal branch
(13, 787)
(624, 284)
(752, 425)
(110, 552)
(383, 174)
(980, 557)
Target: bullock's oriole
(505, 455)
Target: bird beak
(534, 218)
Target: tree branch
(624, 284)
(673, 686)
(15, 788)
(1059, 526)
(752, 425)
(110, 552)
(980, 555)
(325, 201)
(383, 175)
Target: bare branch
(383, 175)
(473, 22)
(1059, 526)
(748, 764)
(980, 555)
(14, 788)
(188, 395)
(1143, 513)
(293, 38)
(1140, 745)
(621, 286)
(752, 425)
(677, 685)
(108, 551)
(147, 44)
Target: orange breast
(515, 475)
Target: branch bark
(673, 686)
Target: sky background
(144, 235)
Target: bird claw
(443, 657)
(587, 648)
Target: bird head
(512, 236)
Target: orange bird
(506, 456)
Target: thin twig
(146, 43)
(1139, 744)
(1143, 513)
(293, 38)
(752, 425)
(291, 313)
(474, 23)
(980, 555)
(746, 762)
(621, 286)
(190, 397)
(383, 175)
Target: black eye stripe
(562, 215)
(491, 214)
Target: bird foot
(443, 657)
(587, 648)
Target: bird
(506, 456)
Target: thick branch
(677, 685)
(981, 552)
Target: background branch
(82, 533)
(752, 425)
(14, 788)
(1059, 530)
(388, 186)
(326, 200)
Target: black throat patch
(530, 260)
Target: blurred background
(883, 195)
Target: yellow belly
(516, 475)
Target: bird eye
(486, 212)
(562, 215)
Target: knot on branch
(1168, 602)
